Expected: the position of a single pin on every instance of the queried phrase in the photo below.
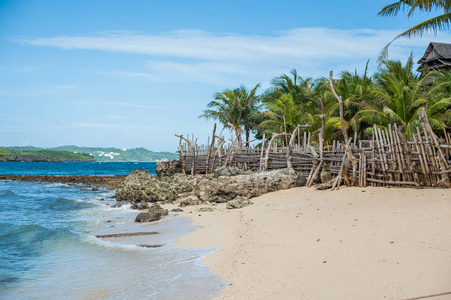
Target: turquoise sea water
(48, 248)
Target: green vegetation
(438, 23)
(237, 108)
(46, 154)
(115, 154)
(394, 95)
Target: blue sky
(134, 73)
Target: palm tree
(282, 115)
(405, 94)
(357, 93)
(435, 24)
(251, 108)
(299, 88)
(237, 107)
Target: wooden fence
(388, 159)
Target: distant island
(75, 153)
(46, 155)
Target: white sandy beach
(355, 243)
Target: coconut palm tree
(361, 109)
(237, 107)
(435, 24)
(300, 89)
(282, 115)
(250, 102)
(405, 94)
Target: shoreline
(355, 243)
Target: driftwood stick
(323, 126)
(315, 173)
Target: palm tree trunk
(247, 129)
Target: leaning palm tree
(435, 24)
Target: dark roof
(437, 55)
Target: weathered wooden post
(207, 167)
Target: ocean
(49, 249)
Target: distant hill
(112, 154)
(36, 154)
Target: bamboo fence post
(423, 152)
(304, 141)
(420, 157)
(373, 157)
(269, 147)
(194, 158)
(290, 147)
(262, 152)
(209, 150)
(188, 148)
(338, 179)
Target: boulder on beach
(189, 201)
(154, 214)
(238, 202)
(155, 208)
(148, 217)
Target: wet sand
(355, 243)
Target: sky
(134, 73)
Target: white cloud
(205, 57)
(127, 104)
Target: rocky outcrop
(168, 168)
(229, 171)
(238, 202)
(224, 189)
(141, 186)
(222, 186)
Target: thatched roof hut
(437, 56)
